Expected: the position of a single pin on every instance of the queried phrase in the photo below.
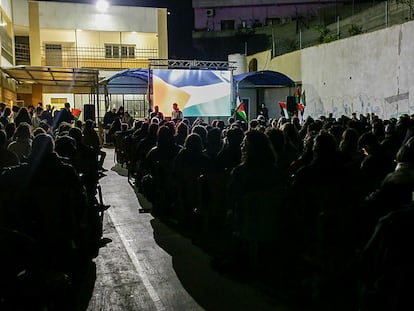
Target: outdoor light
(102, 5)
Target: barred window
(119, 51)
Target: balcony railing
(89, 57)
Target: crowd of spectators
(322, 210)
(50, 217)
(311, 208)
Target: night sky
(180, 23)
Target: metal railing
(323, 27)
(379, 16)
(89, 57)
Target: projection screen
(198, 93)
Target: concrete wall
(288, 64)
(367, 73)
(6, 6)
(272, 97)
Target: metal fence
(293, 36)
(89, 57)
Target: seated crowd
(321, 210)
(50, 218)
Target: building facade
(78, 35)
(249, 26)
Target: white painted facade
(6, 5)
(366, 73)
(60, 15)
(238, 61)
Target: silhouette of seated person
(22, 116)
(325, 215)
(387, 267)
(109, 118)
(144, 146)
(159, 164)
(165, 150)
(306, 156)
(189, 164)
(214, 142)
(286, 157)
(348, 148)
(255, 194)
(44, 199)
(257, 170)
(22, 142)
(293, 143)
(5, 118)
(395, 192)
(201, 130)
(116, 126)
(376, 163)
(86, 163)
(230, 156)
(181, 133)
(66, 149)
(91, 138)
(134, 140)
(7, 158)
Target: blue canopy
(139, 73)
(128, 81)
(264, 78)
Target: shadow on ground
(210, 289)
(120, 170)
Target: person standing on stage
(176, 114)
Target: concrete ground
(149, 266)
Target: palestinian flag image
(284, 109)
(241, 111)
(76, 112)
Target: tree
(325, 34)
(355, 30)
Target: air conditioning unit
(210, 12)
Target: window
(253, 65)
(119, 51)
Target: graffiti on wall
(385, 108)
